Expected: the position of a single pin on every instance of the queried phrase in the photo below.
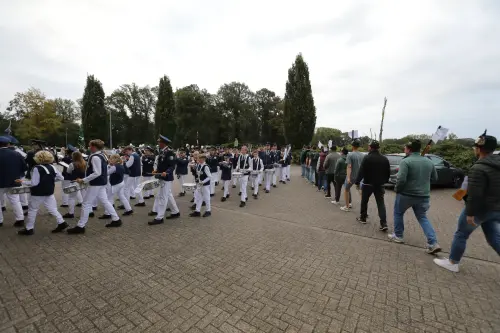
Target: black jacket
(375, 169)
(483, 194)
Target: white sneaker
(350, 205)
(395, 239)
(335, 202)
(345, 209)
(445, 263)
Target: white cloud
(436, 61)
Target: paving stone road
(288, 262)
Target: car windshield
(394, 159)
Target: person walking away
(413, 187)
(329, 166)
(353, 162)
(321, 171)
(340, 175)
(303, 156)
(375, 171)
(313, 161)
(482, 203)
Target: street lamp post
(110, 132)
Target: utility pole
(382, 121)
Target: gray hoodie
(330, 161)
(483, 194)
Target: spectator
(321, 171)
(353, 161)
(329, 166)
(303, 156)
(375, 171)
(340, 175)
(314, 164)
(482, 205)
(413, 190)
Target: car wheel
(457, 181)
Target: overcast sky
(438, 62)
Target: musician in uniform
(226, 167)
(257, 166)
(213, 163)
(76, 169)
(97, 178)
(204, 180)
(165, 173)
(192, 165)
(116, 171)
(267, 160)
(12, 166)
(275, 153)
(148, 161)
(133, 163)
(234, 161)
(42, 185)
(67, 177)
(23, 197)
(181, 169)
(244, 165)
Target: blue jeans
(303, 170)
(420, 207)
(490, 223)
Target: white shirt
(35, 176)
(111, 169)
(207, 172)
(96, 166)
(130, 161)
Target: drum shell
(20, 190)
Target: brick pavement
(290, 263)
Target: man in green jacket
(413, 190)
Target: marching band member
(97, 178)
(192, 166)
(283, 162)
(257, 165)
(267, 160)
(133, 163)
(23, 197)
(43, 178)
(213, 162)
(75, 170)
(13, 166)
(67, 177)
(244, 166)
(116, 171)
(276, 158)
(204, 180)
(148, 161)
(226, 167)
(165, 173)
(236, 156)
(181, 169)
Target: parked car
(496, 152)
(448, 175)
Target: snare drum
(269, 171)
(20, 190)
(75, 187)
(237, 175)
(277, 165)
(254, 173)
(189, 186)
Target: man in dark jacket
(375, 171)
(482, 206)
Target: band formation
(28, 180)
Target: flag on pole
(81, 139)
(8, 131)
(330, 143)
(320, 144)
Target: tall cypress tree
(95, 122)
(165, 110)
(299, 118)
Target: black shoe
(26, 207)
(361, 220)
(383, 227)
(128, 213)
(255, 196)
(104, 217)
(234, 186)
(222, 189)
(25, 232)
(79, 205)
(152, 196)
(216, 183)
(223, 199)
(91, 214)
(212, 195)
(203, 204)
(94, 208)
(19, 223)
(274, 185)
(193, 207)
(195, 214)
(140, 204)
(69, 216)
(207, 214)
(4, 209)
(155, 222)
(152, 213)
(267, 191)
(182, 194)
(227, 196)
(252, 188)
(173, 216)
(260, 184)
(328, 196)
(114, 224)
(62, 206)
(243, 204)
(239, 193)
(1, 224)
(76, 230)
(146, 198)
(121, 207)
(192, 200)
(132, 198)
(25, 214)
(60, 227)
(168, 210)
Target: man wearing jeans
(413, 188)
(482, 204)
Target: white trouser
(259, 178)
(2, 199)
(212, 185)
(182, 179)
(147, 193)
(132, 183)
(219, 173)
(14, 202)
(283, 174)
(277, 174)
(268, 177)
(164, 198)
(65, 197)
(155, 204)
(227, 183)
(234, 181)
(118, 190)
(73, 198)
(95, 193)
(255, 184)
(128, 194)
(203, 195)
(23, 198)
(50, 204)
(287, 172)
(243, 187)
